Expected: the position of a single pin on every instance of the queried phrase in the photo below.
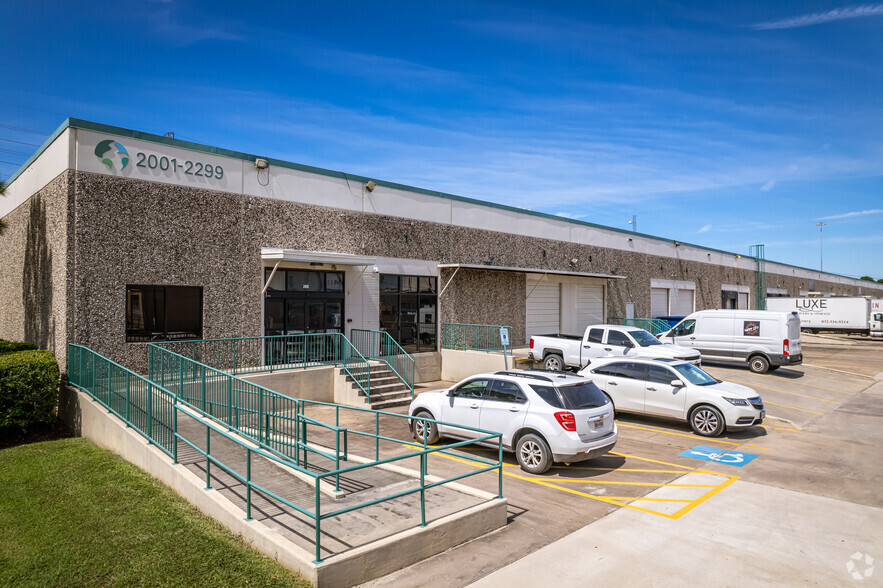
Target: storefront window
(408, 310)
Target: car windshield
(644, 338)
(582, 395)
(695, 375)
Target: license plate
(599, 423)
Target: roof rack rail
(523, 374)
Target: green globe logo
(104, 146)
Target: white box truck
(834, 314)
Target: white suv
(543, 417)
(677, 389)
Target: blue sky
(718, 123)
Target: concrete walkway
(809, 513)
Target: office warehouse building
(116, 238)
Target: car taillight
(786, 347)
(531, 342)
(566, 420)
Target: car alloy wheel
(533, 454)
(554, 363)
(707, 421)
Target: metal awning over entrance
(523, 270)
(296, 255)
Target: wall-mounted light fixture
(738, 257)
(261, 163)
(370, 185)
(677, 243)
(488, 260)
(574, 261)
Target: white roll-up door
(590, 306)
(743, 300)
(682, 302)
(543, 307)
(658, 302)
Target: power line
(24, 130)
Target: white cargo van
(764, 339)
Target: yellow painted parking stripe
(780, 379)
(650, 499)
(618, 501)
(697, 438)
(573, 467)
(786, 392)
(789, 430)
(659, 484)
(794, 408)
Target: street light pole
(821, 248)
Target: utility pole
(634, 222)
(821, 248)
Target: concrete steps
(387, 390)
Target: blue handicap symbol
(733, 458)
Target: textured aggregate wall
(127, 231)
(34, 269)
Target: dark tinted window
(595, 335)
(607, 370)
(503, 391)
(617, 338)
(628, 369)
(159, 313)
(585, 395)
(660, 375)
(685, 328)
(472, 389)
(548, 394)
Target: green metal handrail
(475, 337)
(142, 404)
(243, 355)
(153, 411)
(652, 325)
(380, 346)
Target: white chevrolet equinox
(543, 417)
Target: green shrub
(13, 346)
(28, 388)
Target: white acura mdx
(543, 417)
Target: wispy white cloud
(704, 229)
(768, 186)
(853, 214)
(806, 20)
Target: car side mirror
(450, 392)
(677, 383)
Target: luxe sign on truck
(842, 315)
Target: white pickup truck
(558, 352)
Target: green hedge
(13, 346)
(28, 388)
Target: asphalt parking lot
(790, 501)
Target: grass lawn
(73, 514)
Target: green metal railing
(142, 404)
(380, 346)
(245, 355)
(652, 325)
(225, 406)
(475, 337)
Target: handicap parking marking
(733, 458)
(683, 501)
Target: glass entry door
(302, 301)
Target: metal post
(500, 457)
(208, 461)
(127, 400)
(229, 403)
(175, 431)
(423, 488)
(203, 388)
(248, 484)
(318, 559)
(150, 414)
(820, 225)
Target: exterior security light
(370, 185)
(261, 163)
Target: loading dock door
(543, 306)
(658, 302)
(591, 306)
(682, 303)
